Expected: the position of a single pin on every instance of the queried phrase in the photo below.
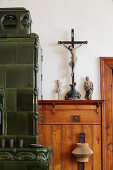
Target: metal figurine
(72, 94)
(88, 87)
(58, 88)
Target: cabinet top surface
(70, 101)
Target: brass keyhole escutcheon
(76, 118)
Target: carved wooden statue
(88, 87)
(58, 90)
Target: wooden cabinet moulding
(97, 102)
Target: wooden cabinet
(63, 121)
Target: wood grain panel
(112, 119)
(87, 129)
(65, 117)
(66, 147)
(46, 139)
(56, 135)
(106, 91)
(75, 107)
(97, 147)
(67, 107)
(108, 116)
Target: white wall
(53, 20)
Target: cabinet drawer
(72, 114)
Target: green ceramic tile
(1, 101)
(3, 75)
(25, 53)
(14, 166)
(24, 165)
(1, 165)
(11, 103)
(3, 67)
(30, 123)
(17, 123)
(41, 165)
(0, 120)
(8, 51)
(24, 100)
(30, 78)
(19, 76)
(2, 78)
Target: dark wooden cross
(72, 42)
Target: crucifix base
(72, 94)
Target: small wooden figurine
(58, 88)
(88, 87)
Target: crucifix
(72, 94)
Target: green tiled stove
(20, 82)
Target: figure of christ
(73, 53)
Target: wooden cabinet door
(64, 136)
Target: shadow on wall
(81, 88)
(63, 72)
